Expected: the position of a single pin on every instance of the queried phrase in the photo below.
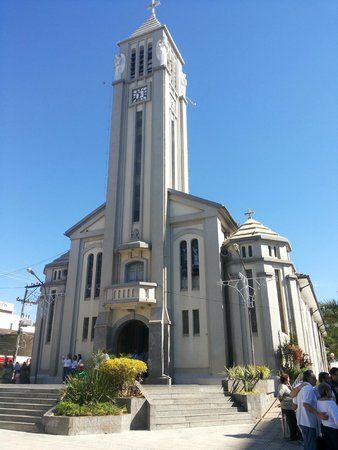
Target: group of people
(18, 373)
(311, 410)
(71, 365)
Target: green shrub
(264, 372)
(93, 388)
(122, 373)
(294, 372)
(70, 409)
(246, 376)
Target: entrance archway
(133, 338)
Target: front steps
(22, 406)
(186, 406)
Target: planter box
(135, 419)
(255, 404)
(261, 387)
(138, 408)
(85, 425)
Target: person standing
(283, 395)
(67, 365)
(334, 381)
(307, 412)
(17, 370)
(330, 426)
(74, 365)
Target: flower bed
(92, 400)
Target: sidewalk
(265, 435)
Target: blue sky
(263, 134)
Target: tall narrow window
(252, 305)
(250, 250)
(280, 300)
(243, 252)
(196, 322)
(275, 252)
(141, 62)
(92, 332)
(137, 167)
(89, 276)
(98, 275)
(150, 58)
(185, 322)
(270, 254)
(85, 328)
(183, 265)
(195, 265)
(132, 64)
(134, 272)
(173, 152)
(55, 274)
(50, 317)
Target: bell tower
(148, 156)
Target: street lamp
(31, 271)
(43, 286)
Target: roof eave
(161, 27)
(84, 220)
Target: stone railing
(131, 294)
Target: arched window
(134, 272)
(183, 265)
(250, 250)
(141, 62)
(89, 276)
(132, 64)
(150, 58)
(98, 275)
(195, 265)
(243, 252)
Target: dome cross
(249, 213)
(152, 7)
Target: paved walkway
(266, 435)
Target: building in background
(9, 326)
(148, 271)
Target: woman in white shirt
(67, 365)
(283, 395)
(329, 426)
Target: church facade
(157, 271)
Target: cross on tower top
(249, 213)
(154, 4)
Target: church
(158, 271)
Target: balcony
(130, 295)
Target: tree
(329, 310)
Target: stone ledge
(135, 419)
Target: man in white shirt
(306, 413)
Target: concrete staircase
(22, 406)
(186, 406)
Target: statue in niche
(162, 48)
(183, 84)
(135, 234)
(119, 64)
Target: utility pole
(24, 302)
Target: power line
(30, 265)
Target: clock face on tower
(139, 94)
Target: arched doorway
(132, 338)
